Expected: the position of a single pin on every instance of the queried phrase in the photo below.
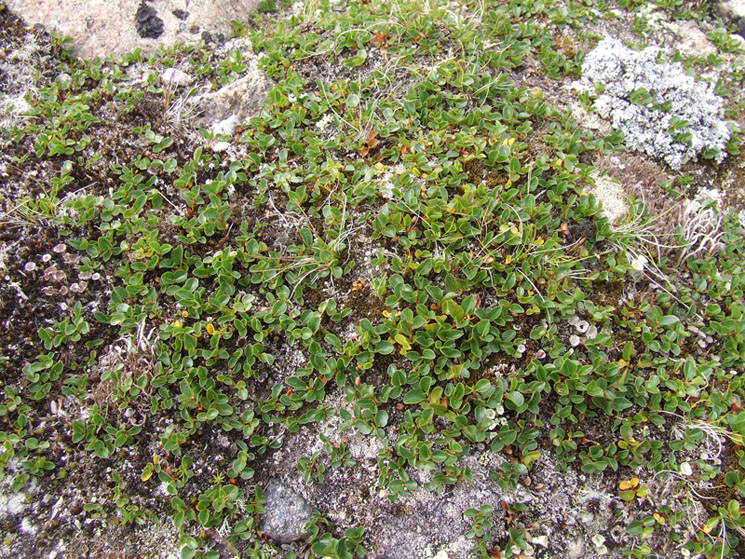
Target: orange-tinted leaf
(380, 38)
(372, 138)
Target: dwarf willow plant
(416, 240)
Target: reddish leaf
(380, 38)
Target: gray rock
(286, 514)
(102, 27)
(731, 9)
(734, 11)
(226, 126)
(241, 99)
(173, 77)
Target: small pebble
(175, 77)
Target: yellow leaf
(387, 314)
(185, 314)
(642, 491)
(710, 525)
(147, 473)
(211, 329)
(402, 341)
(633, 482)
(659, 518)
(531, 457)
(156, 459)
(622, 363)
(508, 259)
(539, 242)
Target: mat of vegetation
(393, 289)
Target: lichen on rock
(661, 110)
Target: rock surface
(733, 10)
(286, 514)
(100, 28)
(234, 103)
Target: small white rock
(540, 540)
(574, 340)
(220, 146)
(225, 126)
(173, 77)
(685, 469)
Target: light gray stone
(173, 77)
(692, 41)
(235, 102)
(731, 9)
(225, 126)
(734, 11)
(102, 27)
(286, 514)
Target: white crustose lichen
(661, 110)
